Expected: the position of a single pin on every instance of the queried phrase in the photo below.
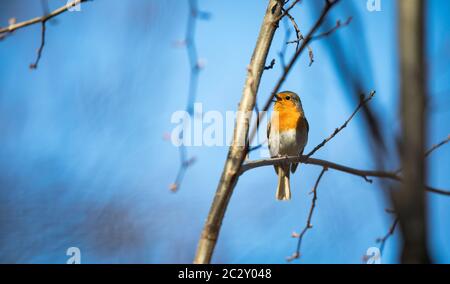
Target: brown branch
(237, 151)
(437, 146)
(362, 102)
(308, 225)
(365, 174)
(338, 25)
(298, 33)
(41, 48)
(382, 241)
(300, 37)
(16, 26)
(288, 9)
(43, 20)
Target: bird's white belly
(284, 143)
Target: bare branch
(338, 25)
(16, 26)
(308, 225)
(300, 37)
(365, 174)
(382, 241)
(43, 20)
(238, 149)
(298, 33)
(287, 10)
(362, 102)
(41, 48)
(437, 146)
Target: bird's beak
(276, 98)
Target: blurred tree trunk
(410, 200)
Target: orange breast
(287, 119)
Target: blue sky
(84, 163)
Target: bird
(287, 134)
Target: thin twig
(43, 20)
(41, 48)
(338, 25)
(382, 241)
(437, 146)
(288, 9)
(298, 33)
(362, 102)
(308, 225)
(16, 26)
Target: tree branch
(237, 151)
(43, 20)
(365, 174)
(338, 25)
(308, 225)
(362, 102)
(288, 9)
(437, 146)
(17, 26)
(382, 241)
(41, 48)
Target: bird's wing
(302, 140)
(268, 142)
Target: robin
(287, 133)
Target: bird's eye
(288, 98)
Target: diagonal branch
(437, 146)
(362, 102)
(238, 149)
(382, 241)
(338, 25)
(288, 9)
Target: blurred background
(84, 161)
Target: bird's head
(287, 100)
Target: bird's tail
(284, 188)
